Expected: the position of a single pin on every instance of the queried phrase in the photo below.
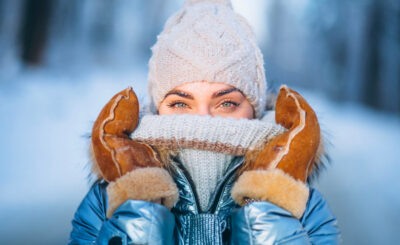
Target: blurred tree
(152, 17)
(371, 63)
(389, 56)
(10, 15)
(350, 50)
(374, 54)
(1, 11)
(34, 29)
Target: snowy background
(47, 109)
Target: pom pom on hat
(207, 41)
(224, 2)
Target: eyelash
(230, 101)
(174, 103)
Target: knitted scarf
(205, 144)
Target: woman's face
(204, 98)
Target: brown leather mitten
(132, 168)
(280, 171)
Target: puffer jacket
(141, 222)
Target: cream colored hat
(207, 41)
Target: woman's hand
(114, 152)
(280, 171)
(131, 167)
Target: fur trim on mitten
(148, 184)
(274, 186)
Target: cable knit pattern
(207, 41)
(205, 169)
(224, 135)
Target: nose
(203, 110)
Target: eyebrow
(186, 95)
(179, 93)
(224, 92)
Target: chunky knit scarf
(204, 144)
(224, 135)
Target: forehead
(203, 87)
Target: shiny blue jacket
(141, 222)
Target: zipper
(182, 171)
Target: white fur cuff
(146, 184)
(274, 186)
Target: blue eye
(178, 105)
(229, 104)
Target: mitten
(279, 172)
(132, 169)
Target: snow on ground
(46, 117)
(363, 183)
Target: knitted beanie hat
(207, 41)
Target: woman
(208, 165)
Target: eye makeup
(176, 104)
